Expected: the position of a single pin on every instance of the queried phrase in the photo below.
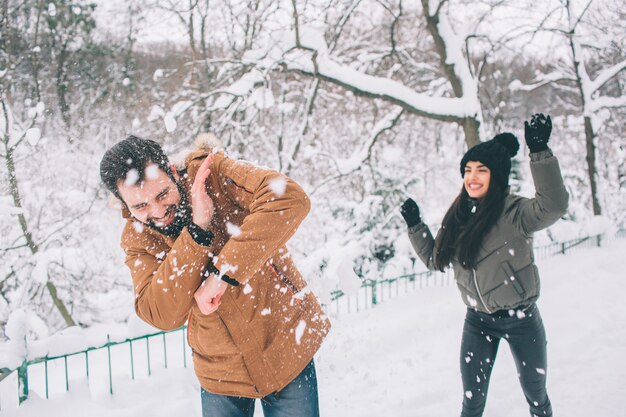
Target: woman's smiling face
(476, 179)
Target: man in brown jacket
(205, 243)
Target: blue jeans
(298, 398)
(527, 339)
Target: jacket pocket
(208, 336)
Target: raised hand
(208, 295)
(411, 212)
(202, 207)
(537, 132)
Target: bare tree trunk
(591, 165)
(470, 125)
(17, 202)
(471, 128)
(61, 85)
(34, 53)
(589, 131)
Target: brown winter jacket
(267, 329)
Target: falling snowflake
(300, 330)
(247, 289)
(170, 123)
(233, 229)
(266, 311)
(131, 177)
(540, 371)
(468, 394)
(472, 301)
(152, 171)
(33, 135)
(278, 186)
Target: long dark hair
(462, 232)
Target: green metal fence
(160, 341)
(371, 293)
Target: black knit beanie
(496, 155)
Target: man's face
(155, 201)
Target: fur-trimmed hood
(205, 141)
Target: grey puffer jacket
(505, 275)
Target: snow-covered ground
(401, 358)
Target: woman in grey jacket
(487, 236)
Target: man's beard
(182, 215)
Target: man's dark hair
(132, 153)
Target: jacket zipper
(292, 288)
(478, 291)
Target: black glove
(537, 133)
(410, 212)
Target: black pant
(526, 336)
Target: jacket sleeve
(276, 205)
(423, 243)
(551, 198)
(164, 284)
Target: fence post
(374, 299)
(22, 381)
(22, 376)
(110, 370)
(599, 240)
(563, 248)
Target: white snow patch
(131, 177)
(156, 112)
(152, 171)
(300, 330)
(233, 229)
(247, 289)
(170, 123)
(157, 74)
(262, 98)
(33, 135)
(472, 301)
(138, 226)
(278, 186)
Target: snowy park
(400, 358)
(197, 197)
